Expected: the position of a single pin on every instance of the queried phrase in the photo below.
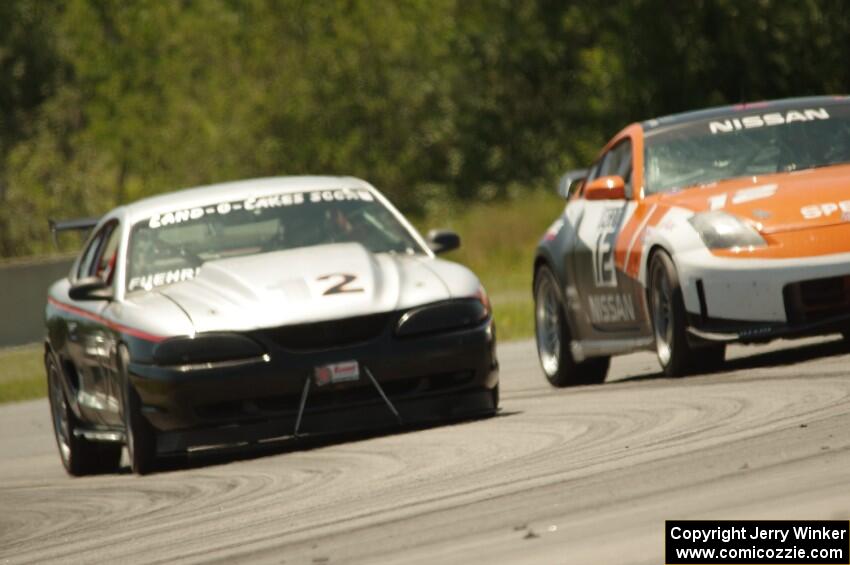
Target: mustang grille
(330, 334)
(323, 399)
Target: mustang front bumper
(433, 377)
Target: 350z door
(610, 303)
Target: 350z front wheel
(553, 338)
(677, 355)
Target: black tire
(140, 437)
(708, 358)
(79, 456)
(669, 323)
(553, 337)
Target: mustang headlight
(444, 316)
(207, 351)
(720, 230)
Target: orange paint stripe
(630, 240)
(628, 235)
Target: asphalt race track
(586, 475)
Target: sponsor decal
(346, 371)
(754, 193)
(178, 217)
(322, 375)
(718, 201)
(274, 201)
(604, 274)
(752, 332)
(814, 211)
(611, 308)
(153, 280)
(766, 120)
(279, 200)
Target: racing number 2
(342, 286)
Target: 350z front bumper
(755, 300)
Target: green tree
(29, 69)
(434, 101)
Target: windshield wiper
(819, 166)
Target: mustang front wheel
(79, 456)
(553, 338)
(139, 434)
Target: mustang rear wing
(76, 224)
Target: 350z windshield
(745, 143)
(172, 246)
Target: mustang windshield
(171, 247)
(747, 143)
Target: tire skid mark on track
(102, 501)
(581, 447)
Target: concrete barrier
(23, 296)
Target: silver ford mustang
(251, 310)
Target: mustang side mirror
(90, 288)
(570, 182)
(441, 241)
(606, 188)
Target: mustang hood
(777, 203)
(305, 285)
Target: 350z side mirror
(90, 288)
(441, 241)
(606, 188)
(570, 182)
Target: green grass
(498, 241)
(514, 318)
(22, 373)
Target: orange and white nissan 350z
(695, 230)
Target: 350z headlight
(444, 316)
(721, 230)
(208, 351)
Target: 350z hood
(313, 284)
(777, 203)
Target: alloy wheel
(59, 410)
(548, 322)
(662, 313)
